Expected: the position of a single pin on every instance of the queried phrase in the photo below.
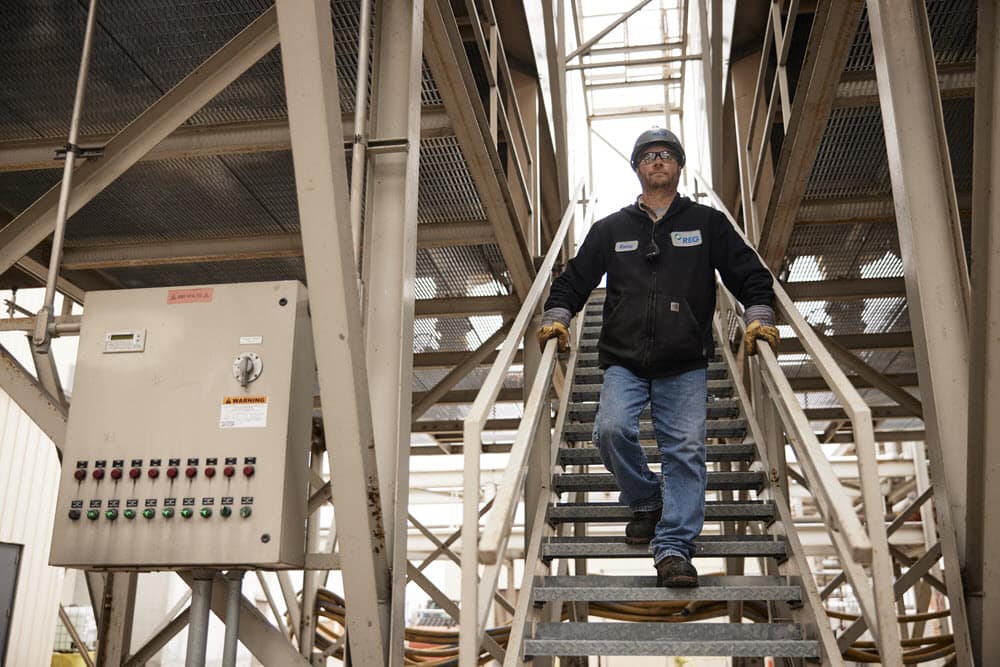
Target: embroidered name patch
(686, 239)
(626, 246)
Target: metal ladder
(751, 616)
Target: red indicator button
(98, 473)
(191, 472)
(171, 472)
(229, 471)
(248, 471)
(209, 472)
(116, 473)
(154, 473)
(135, 473)
(80, 475)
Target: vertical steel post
(234, 598)
(310, 72)
(115, 623)
(389, 267)
(937, 282)
(201, 608)
(983, 541)
(41, 337)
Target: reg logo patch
(686, 239)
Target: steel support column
(43, 408)
(929, 236)
(389, 267)
(983, 541)
(310, 74)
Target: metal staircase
(759, 614)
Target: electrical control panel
(189, 430)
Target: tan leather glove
(554, 330)
(757, 331)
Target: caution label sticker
(197, 295)
(243, 412)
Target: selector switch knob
(168, 512)
(245, 511)
(206, 512)
(111, 514)
(225, 511)
(129, 514)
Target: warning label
(197, 295)
(243, 412)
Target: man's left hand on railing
(555, 324)
(760, 326)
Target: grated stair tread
(590, 456)
(726, 408)
(717, 481)
(715, 428)
(608, 588)
(707, 546)
(715, 510)
(705, 639)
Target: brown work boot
(641, 528)
(676, 572)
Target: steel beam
(252, 136)
(115, 626)
(822, 290)
(929, 236)
(38, 270)
(445, 54)
(819, 384)
(310, 75)
(450, 359)
(889, 341)
(150, 128)
(44, 409)
(389, 267)
(638, 62)
(584, 49)
(188, 251)
(982, 575)
(466, 306)
(830, 38)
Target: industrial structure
(304, 247)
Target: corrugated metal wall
(29, 476)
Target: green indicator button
(205, 512)
(111, 514)
(129, 514)
(93, 514)
(246, 511)
(187, 513)
(225, 511)
(148, 513)
(168, 512)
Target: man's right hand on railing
(555, 324)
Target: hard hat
(657, 135)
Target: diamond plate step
(725, 408)
(592, 392)
(587, 371)
(748, 510)
(597, 481)
(715, 428)
(708, 546)
(572, 456)
(728, 639)
(604, 588)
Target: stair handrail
(476, 596)
(876, 599)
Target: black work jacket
(658, 314)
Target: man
(660, 255)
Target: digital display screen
(122, 336)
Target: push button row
(167, 512)
(190, 472)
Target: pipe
(201, 604)
(234, 599)
(360, 134)
(42, 338)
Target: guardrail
(856, 546)
(477, 593)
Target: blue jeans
(678, 410)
